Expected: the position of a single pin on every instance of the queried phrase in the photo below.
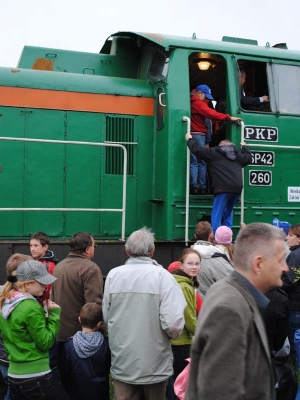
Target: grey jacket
(212, 268)
(230, 353)
(143, 307)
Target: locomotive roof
(169, 41)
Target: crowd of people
(51, 351)
(233, 309)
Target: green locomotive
(95, 142)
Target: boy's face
(37, 250)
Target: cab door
(172, 104)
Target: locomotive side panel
(68, 176)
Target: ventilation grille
(119, 129)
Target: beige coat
(143, 307)
(230, 354)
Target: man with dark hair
(79, 281)
(80, 242)
(214, 266)
(230, 352)
(246, 100)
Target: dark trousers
(42, 387)
(60, 354)
(180, 354)
(126, 391)
(53, 361)
(286, 379)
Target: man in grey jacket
(230, 353)
(143, 307)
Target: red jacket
(200, 111)
(49, 261)
(199, 302)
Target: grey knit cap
(32, 270)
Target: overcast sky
(84, 25)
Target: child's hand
(52, 304)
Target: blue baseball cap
(206, 90)
(284, 225)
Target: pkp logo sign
(260, 133)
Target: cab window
(253, 88)
(159, 65)
(286, 88)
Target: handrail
(160, 99)
(242, 197)
(277, 146)
(122, 210)
(187, 189)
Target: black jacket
(248, 101)
(225, 163)
(88, 378)
(276, 318)
(290, 283)
(49, 256)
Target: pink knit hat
(223, 235)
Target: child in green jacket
(186, 277)
(12, 264)
(28, 333)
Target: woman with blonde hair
(28, 334)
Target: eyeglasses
(191, 264)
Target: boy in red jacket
(201, 116)
(39, 244)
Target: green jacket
(28, 334)
(188, 332)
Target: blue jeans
(222, 211)
(294, 324)
(3, 370)
(198, 167)
(42, 387)
(298, 394)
